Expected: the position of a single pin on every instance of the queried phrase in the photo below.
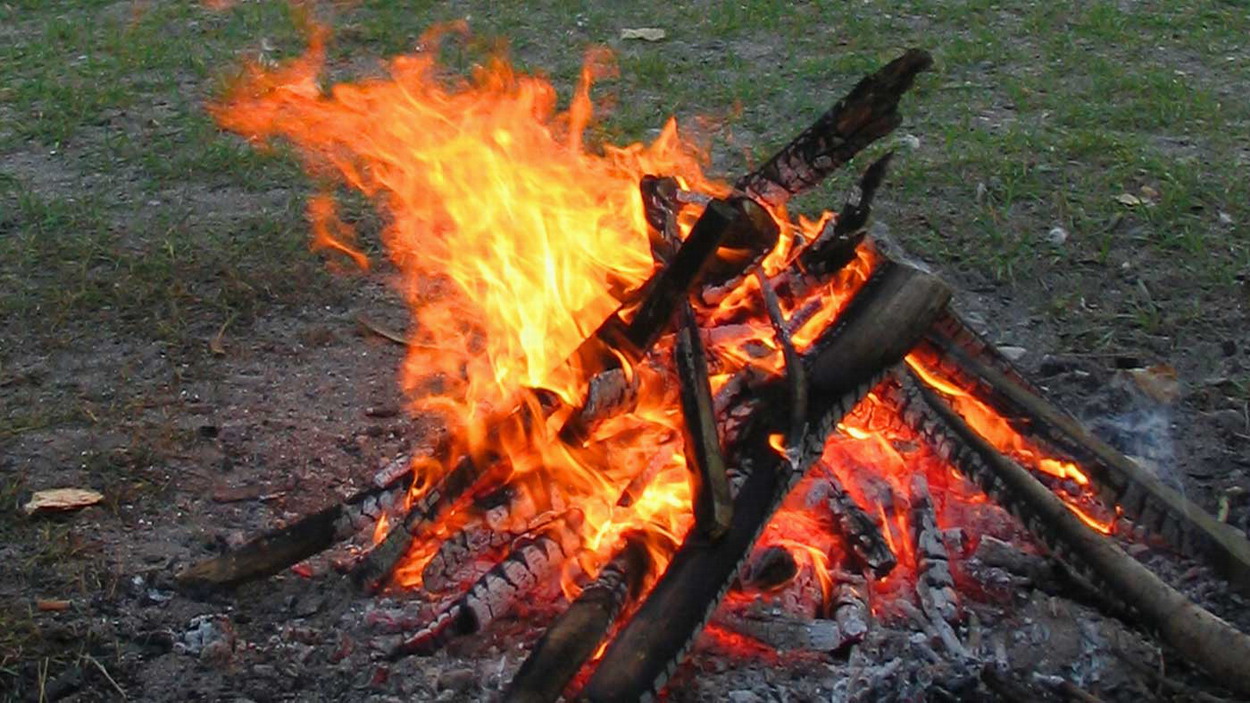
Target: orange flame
(511, 238)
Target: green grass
(124, 212)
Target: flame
(513, 241)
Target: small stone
(745, 697)
(1013, 353)
(1057, 235)
(1225, 218)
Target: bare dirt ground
(167, 341)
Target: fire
(514, 241)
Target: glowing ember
(514, 241)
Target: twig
(120, 691)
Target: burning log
(850, 609)
(1142, 495)
(860, 532)
(278, 549)
(773, 568)
(868, 113)
(713, 507)
(531, 560)
(574, 636)
(840, 366)
(661, 296)
(1201, 637)
(935, 586)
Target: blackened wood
(773, 568)
(955, 329)
(532, 560)
(895, 297)
(610, 393)
(835, 247)
(713, 506)
(278, 549)
(674, 281)
(374, 569)
(741, 252)
(574, 636)
(868, 113)
(784, 633)
(877, 329)
(857, 528)
(796, 379)
(1193, 632)
(1139, 492)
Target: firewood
(611, 392)
(1141, 494)
(1196, 634)
(857, 528)
(531, 561)
(784, 633)
(575, 635)
(278, 549)
(713, 507)
(876, 329)
(835, 246)
(935, 586)
(868, 113)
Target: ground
(1075, 169)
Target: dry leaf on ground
(644, 33)
(61, 499)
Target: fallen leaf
(1128, 199)
(1149, 193)
(644, 33)
(50, 605)
(1159, 382)
(61, 499)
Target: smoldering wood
(875, 331)
(784, 633)
(530, 562)
(774, 567)
(573, 637)
(374, 569)
(867, 113)
(1202, 638)
(796, 382)
(955, 329)
(273, 551)
(859, 531)
(713, 506)
(1136, 490)
(935, 586)
(850, 609)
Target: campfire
(669, 405)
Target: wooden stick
(1139, 492)
(273, 551)
(574, 636)
(713, 506)
(1204, 639)
(868, 113)
(878, 327)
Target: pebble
(745, 697)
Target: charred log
(1143, 496)
(835, 246)
(868, 113)
(935, 586)
(857, 528)
(713, 507)
(877, 328)
(531, 560)
(278, 549)
(574, 636)
(1204, 639)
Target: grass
(125, 212)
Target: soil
(302, 407)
